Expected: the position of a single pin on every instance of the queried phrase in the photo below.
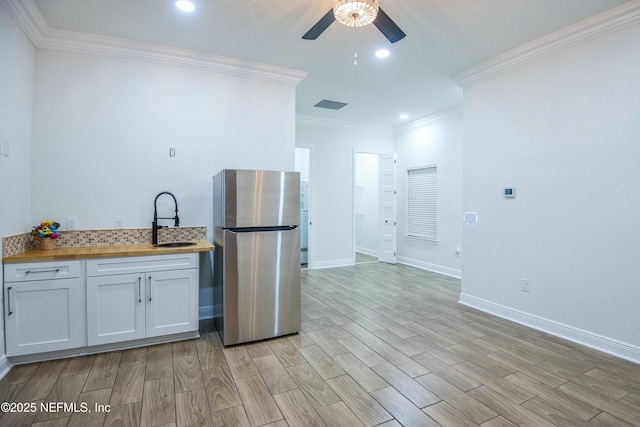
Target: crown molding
(448, 113)
(305, 120)
(613, 20)
(70, 41)
(26, 14)
(455, 111)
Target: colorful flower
(46, 230)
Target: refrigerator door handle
(259, 229)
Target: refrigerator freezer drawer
(261, 294)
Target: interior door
(388, 194)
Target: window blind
(422, 203)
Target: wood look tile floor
(363, 258)
(381, 345)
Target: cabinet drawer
(50, 270)
(124, 265)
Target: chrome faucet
(154, 225)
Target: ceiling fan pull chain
(355, 46)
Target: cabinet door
(42, 316)
(172, 302)
(115, 308)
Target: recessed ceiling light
(404, 116)
(185, 5)
(382, 53)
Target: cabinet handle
(9, 301)
(149, 288)
(139, 295)
(41, 271)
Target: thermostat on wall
(510, 192)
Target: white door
(46, 315)
(115, 308)
(172, 302)
(388, 194)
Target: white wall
(436, 140)
(564, 130)
(16, 86)
(367, 208)
(103, 128)
(303, 163)
(332, 184)
(16, 82)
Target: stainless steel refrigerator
(256, 218)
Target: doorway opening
(303, 165)
(366, 206)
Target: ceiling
(444, 37)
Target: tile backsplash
(13, 245)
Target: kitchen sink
(176, 244)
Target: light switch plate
(5, 148)
(72, 223)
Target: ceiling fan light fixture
(355, 13)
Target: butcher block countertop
(84, 252)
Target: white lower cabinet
(62, 306)
(141, 297)
(172, 304)
(115, 308)
(44, 306)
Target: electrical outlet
(526, 285)
(72, 223)
(119, 222)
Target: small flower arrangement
(46, 230)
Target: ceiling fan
(357, 13)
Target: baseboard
(206, 312)
(5, 366)
(333, 263)
(440, 269)
(598, 342)
(102, 348)
(366, 251)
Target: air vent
(330, 105)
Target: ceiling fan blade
(387, 27)
(320, 26)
